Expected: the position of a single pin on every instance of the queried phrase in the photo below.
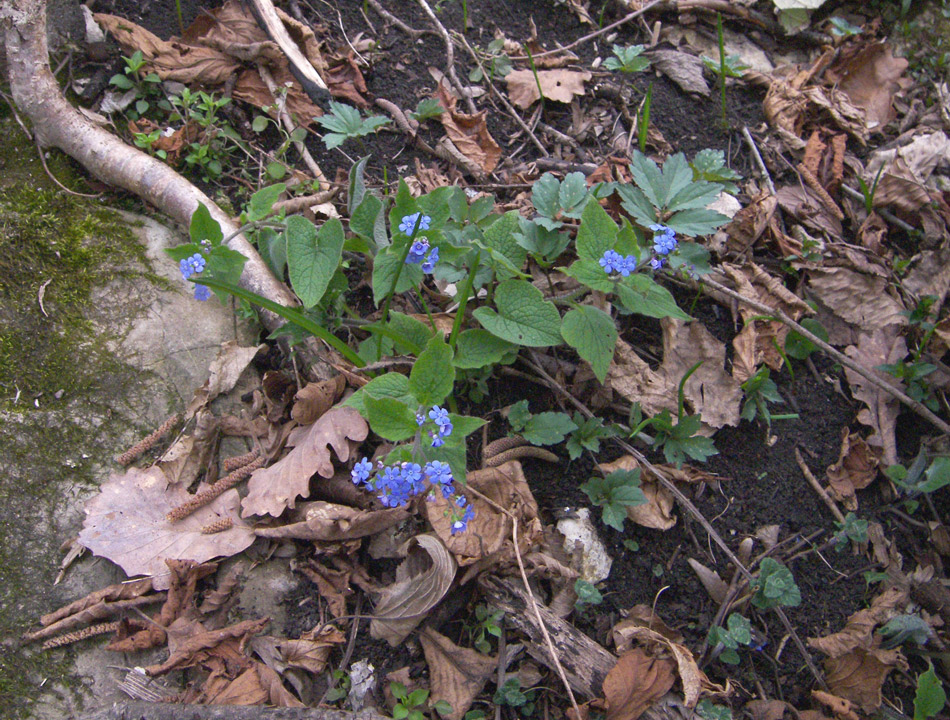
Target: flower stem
(464, 295)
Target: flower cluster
(419, 251)
(439, 416)
(396, 484)
(613, 262)
(664, 242)
(408, 223)
(195, 265)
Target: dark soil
(761, 482)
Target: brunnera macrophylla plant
(446, 248)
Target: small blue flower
(611, 261)
(664, 239)
(202, 293)
(448, 490)
(460, 523)
(408, 223)
(628, 265)
(417, 251)
(657, 263)
(437, 440)
(192, 265)
(438, 473)
(420, 419)
(361, 471)
(432, 258)
(439, 415)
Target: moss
(59, 383)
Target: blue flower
(417, 251)
(611, 261)
(439, 473)
(432, 258)
(664, 239)
(437, 440)
(408, 223)
(202, 293)
(420, 419)
(460, 522)
(361, 471)
(192, 265)
(440, 416)
(627, 265)
(656, 263)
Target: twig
(917, 407)
(290, 126)
(750, 141)
(449, 57)
(813, 481)
(389, 17)
(597, 33)
(295, 205)
(886, 214)
(52, 177)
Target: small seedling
(853, 529)
(726, 640)
(344, 122)
(547, 428)
(487, 624)
(868, 193)
(930, 697)
(587, 594)
(775, 586)
(760, 390)
(588, 435)
(726, 67)
(340, 688)
(498, 63)
(427, 109)
(643, 119)
(905, 628)
(513, 696)
(708, 710)
(615, 493)
(627, 59)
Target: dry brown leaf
(333, 584)
(879, 347)
(855, 469)
(456, 674)
(277, 694)
(469, 133)
(330, 522)
(559, 85)
(225, 371)
(310, 651)
(906, 170)
(839, 706)
(858, 675)
(316, 398)
(490, 531)
(802, 203)
(857, 298)
(126, 523)
(693, 679)
(644, 616)
(750, 222)
(245, 689)
(635, 683)
(422, 580)
(345, 79)
(195, 648)
(188, 456)
(859, 630)
(715, 586)
(657, 511)
(767, 709)
(273, 489)
(710, 390)
(870, 79)
(684, 69)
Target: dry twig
(813, 481)
(449, 57)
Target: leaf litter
(846, 94)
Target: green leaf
(390, 418)
(204, 227)
(547, 428)
(275, 170)
(698, 221)
(587, 594)
(412, 334)
(368, 221)
(740, 629)
(391, 385)
(443, 707)
(121, 81)
(433, 374)
(524, 317)
(477, 348)
(499, 236)
(385, 268)
(591, 274)
(312, 256)
(938, 475)
(648, 178)
(518, 415)
(643, 295)
(572, 195)
(417, 697)
(400, 712)
(356, 188)
(800, 347)
(260, 123)
(597, 233)
(930, 697)
(694, 195)
(635, 202)
(775, 586)
(262, 202)
(544, 195)
(226, 265)
(614, 515)
(593, 334)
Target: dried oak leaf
(657, 511)
(422, 580)
(223, 374)
(273, 489)
(859, 630)
(198, 646)
(188, 456)
(316, 398)
(126, 523)
(870, 79)
(858, 675)
(456, 674)
(635, 683)
(490, 531)
(855, 469)
(858, 298)
(879, 347)
(710, 391)
(469, 133)
(906, 171)
(559, 85)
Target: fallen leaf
(879, 347)
(245, 689)
(277, 694)
(657, 512)
(859, 630)
(345, 79)
(457, 675)
(422, 580)
(273, 489)
(715, 586)
(316, 398)
(802, 203)
(559, 85)
(635, 683)
(767, 709)
(330, 522)
(751, 222)
(855, 469)
(684, 69)
(190, 652)
(859, 675)
(870, 79)
(858, 298)
(645, 616)
(223, 374)
(839, 706)
(905, 171)
(490, 531)
(710, 390)
(469, 133)
(189, 455)
(126, 523)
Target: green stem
(534, 70)
(384, 317)
(464, 295)
(425, 305)
(289, 314)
